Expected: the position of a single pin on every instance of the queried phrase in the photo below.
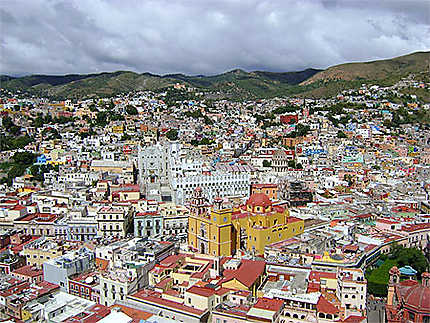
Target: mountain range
(235, 84)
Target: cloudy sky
(205, 36)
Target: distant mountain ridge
(237, 83)
(104, 84)
(374, 70)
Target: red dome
(259, 199)
(418, 298)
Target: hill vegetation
(387, 70)
(236, 84)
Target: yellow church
(221, 231)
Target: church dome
(418, 297)
(259, 199)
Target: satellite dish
(89, 280)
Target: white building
(220, 184)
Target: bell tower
(198, 205)
(394, 279)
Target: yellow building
(41, 250)
(119, 128)
(221, 231)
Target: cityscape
(250, 195)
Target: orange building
(271, 190)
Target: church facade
(222, 230)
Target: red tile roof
(132, 312)
(317, 275)
(28, 271)
(416, 227)
(269, 304)
(153, 297)
(247, 273)
(387, 221)
(326, 307)
(201, 291)
(172, 259)
(354, 319)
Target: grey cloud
(204, 37)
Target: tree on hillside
(24, 158)
(131, 110)
(9, 126)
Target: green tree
(172, 134)
(266, 163)
(341, 134)
(10, 127)
(125, 136)
(24, 158)
(102, 118)
(131, 110)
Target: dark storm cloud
(204, 37)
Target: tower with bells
(210, 230)
(305, 110)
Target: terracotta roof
(416, 227)
(155, 298)
(38, 217)
(387, 221)
(317, 275)
(418, 297)
(222, 291)
(172, 259)
(132, 312)
(354, 319)
(259, 199)
(326, 307)
(247, 273)
(201, 291)
(269, 304)
(408, 282)
(164, 282)
(29, 271)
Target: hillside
(387, 70)
(235, 84)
